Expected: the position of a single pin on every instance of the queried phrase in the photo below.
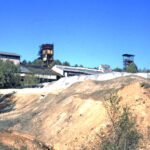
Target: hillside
(68, 118)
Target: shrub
(122, 133)
(132, 68)
(30, 81)
(117, 70)
(9, 74)
(66, 63)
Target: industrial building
(47, 53)
(104, 68)
(45, 74)
(72, 71)
(15, 58)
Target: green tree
(24, 62)
(40, 52)
(9, 74)
(148, 71)
(122, 133)
(55, 62)
(66, 63)
(76, 65)
(2, 77)
(81, 66)
(29, 63)
(37, 62)
(29, 81)
(117, 70)
(132, 68)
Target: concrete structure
(105, 68)
(72, 71)
(15, 58)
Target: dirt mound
(70, 118)
(15, 140)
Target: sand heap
(69, 118)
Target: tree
(81, 66)
(29, 63)
(40, 52)
(30, 80)
(148, 71)
(2, 77)
(24, 62)
(9, 74)
(122, 133)
(37, 62)
(55, 62)
(76, 65)
(132, 68)
(66, 63)
(117, 70)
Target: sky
(87, 32)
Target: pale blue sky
(88, 32)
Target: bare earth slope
(70, 118)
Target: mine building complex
(47, 74)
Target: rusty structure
(47, 53)
(127, 60)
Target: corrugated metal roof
(88, 72)
(36, 70)
(24, 70)
(128, 55)
(10, 54)
(76, 70)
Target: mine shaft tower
(47, 53)
(127, 60)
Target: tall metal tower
(127, 60)
(47, 53)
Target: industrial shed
(45, 74)
(72, 71)
(15, 58)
